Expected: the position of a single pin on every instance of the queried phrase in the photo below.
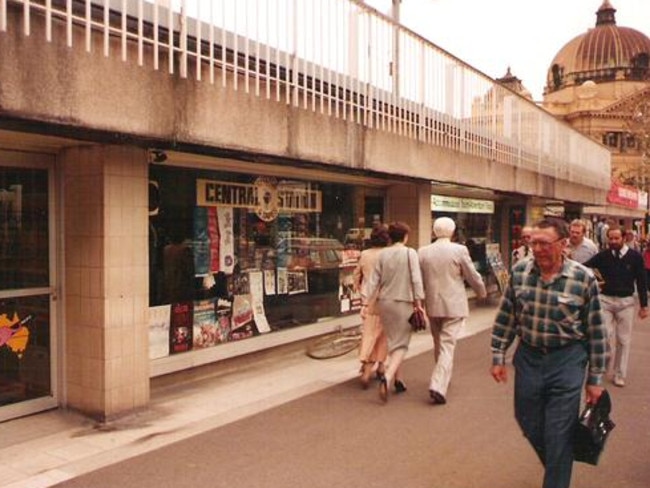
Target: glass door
(26, 287)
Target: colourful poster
(205, 324)
(224, 317)
(242, 325)
(180, 330)
(214, 238)
(242, 311)
(200, 242)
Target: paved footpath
(306, 423)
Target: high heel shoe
(383, 389)
(366, 372)
(379, 373)
(400, 387)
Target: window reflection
(24, 243)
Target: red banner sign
(625, 196)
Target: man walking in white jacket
(445, 267)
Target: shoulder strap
(408, 260)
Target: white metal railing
(337, 57)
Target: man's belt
(618, 294)
(544, 350)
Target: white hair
(444, 227)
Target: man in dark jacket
(621, 268)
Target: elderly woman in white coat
(397, 282)
(446, 266)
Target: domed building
(599, 82)
(513, 83)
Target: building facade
(177, 192)
(598, 83)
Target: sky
(525, 35)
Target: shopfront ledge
(201, 357)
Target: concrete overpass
(94, 91)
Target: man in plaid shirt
(552, 304)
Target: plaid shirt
(553, 314)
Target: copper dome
(604, 53)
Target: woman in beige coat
(397, 282)
(373, 349)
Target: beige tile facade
(106, 279)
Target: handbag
(593, 429)
(417, 319)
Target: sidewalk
(48, 448)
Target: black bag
(417, 320)
(593, 429)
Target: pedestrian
(604, 241)
(397, 281)
(598, 233)
(621, 268)
(631, 241)
(523, 251)
(373, 348)
(646, 262)
(551, 303)
(445, 267)
(580, 247)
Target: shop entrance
(26, 285)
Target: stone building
(599, 82)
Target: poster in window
(205, 330)
(226, 240)
(297, 282)
(283, 281)
(242, 311)
(200, 242)
(180, 330)
(256, 282)
(214, 239)
(349, 297)
(269, 281)
(224, 317)
(159, 321)
(242, 325)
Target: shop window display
(234, 255)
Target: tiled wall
(411, 203)
(106, 279)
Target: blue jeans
(548, 386)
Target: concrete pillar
(105, 323)
(411, 203)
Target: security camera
(157, 156)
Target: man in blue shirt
(552, 305)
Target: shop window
(234, 255)
(24, 272)
(24, 237)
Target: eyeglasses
(544, 244)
